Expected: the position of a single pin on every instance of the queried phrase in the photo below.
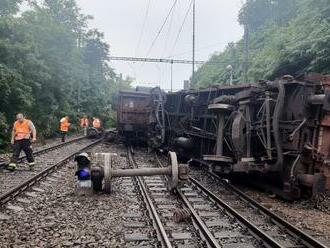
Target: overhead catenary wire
(181, 27)
(162, 60)
(143, 26)
(168, 32)
(162, 27)
(168, 61)
(193, 40)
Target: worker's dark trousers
(24, 145)
(63, 135)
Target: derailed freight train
(274, 133)
(141, 116)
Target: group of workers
(84, 124)
(24, 134)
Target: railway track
(145, 210)
(211, 223)
(43, 149)
(259, 220)
(217, 227)
(54, 213)
(47, 161)
(229, 218)
(161, 205)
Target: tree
(292, 41)
(9, 7)
(52, 65)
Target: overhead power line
(193, 39)
(168, 34)
(181, 27)
(160, 60)
(143, 26)
(161, 28)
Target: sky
(130, 28)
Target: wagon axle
(100, 171)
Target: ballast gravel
(60, 217)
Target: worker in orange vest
(64, 127)
(23, 133)
(96, 123)
(84, 123)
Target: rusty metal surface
(324, 139)
(140, 115)
(134, 108)
(276, 132)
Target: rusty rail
(306, 239)
(159, 226)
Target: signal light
(83, 174)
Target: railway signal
(83, 172)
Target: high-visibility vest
(64, 127)
(22, 130)
(84, 122)
(96, 123)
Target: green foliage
(5, 131)
(51, 65)
(8, 7)
(211, 73)
(293, 40)
(255, 13)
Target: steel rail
(210, 239)
(14, 192)
(258, 233)
(160, 227)
(306, 239)
(47, 149)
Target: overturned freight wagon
(275, 134)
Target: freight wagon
(140, 116)
(272, 133)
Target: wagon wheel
(174, 179)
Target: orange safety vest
(84, 122)
(22, 130)
(64, 127)
(96, 123)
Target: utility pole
(246, 53)
(230, 69)
(79, 82)
(172, 75)
(194, 26)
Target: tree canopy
(285, 37)
(52, 64)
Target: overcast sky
(122, 23)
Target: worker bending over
(96, 123)
(64, 127)
(23, 133)
(84, 123)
